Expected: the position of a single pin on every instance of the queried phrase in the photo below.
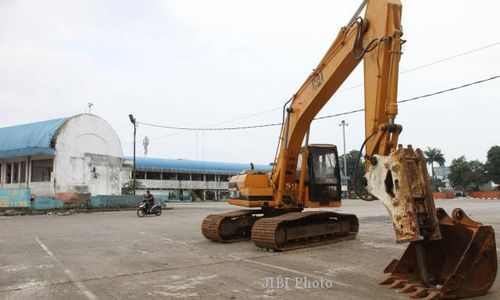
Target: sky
(226, 63)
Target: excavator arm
(376, 39)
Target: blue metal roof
(28, 139)
(193, 166)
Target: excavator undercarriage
(280, 230)
(232, 226)
(303, 229)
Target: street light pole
(344, 124)
(133, 121)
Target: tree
(467, 175)
(459, 172)
(130, 186)
(434, 155)
(479, 175)
(351, 158)
(436, 183)
(493, 164)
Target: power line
(221, 122)
(123, 127)
(441, 60)
(210, 128)
(183, 130)
(319, 118)
(450, 89)
(451, 57)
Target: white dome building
(65, 158)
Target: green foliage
(351, 158)
(493, 164)
(436, 183)
(459, 172)
(434, 155)
(131, 185)
(479, 175)
(467, 175)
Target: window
(8, 173)
(169, 176)
(183, 176)
(15, 172)
(41, 170)
(299, 167)
(139, 175)
(324, 168)
(210, 177)
(197, 177)
(153, 175)
(22, 172)
(223, 177)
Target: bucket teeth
(409, 287)
(434, 295)
(388, 280)
(420, 292)
(416, 289)
(399, 283)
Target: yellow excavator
(448, 257)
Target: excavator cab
(323, 173)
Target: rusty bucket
(461, 264)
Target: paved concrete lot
(115, 255)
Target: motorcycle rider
(149, 199)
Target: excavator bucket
(461, 264)
(447, 257)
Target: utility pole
(133, 121)
(145, 143)
(344, 124)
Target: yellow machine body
(317, 186)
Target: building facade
(77, 155)
(186, 179)
(442, 173)
(72, 159)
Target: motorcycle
(154, 210)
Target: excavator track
(232, 226)
(303, 229)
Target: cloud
(196, 63)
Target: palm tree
(434, 155)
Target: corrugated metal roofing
(28, 139)
(193, 166)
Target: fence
(123, 201)
(15, 198)
(485, 195)
(21, 198)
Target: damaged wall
(88, 157)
